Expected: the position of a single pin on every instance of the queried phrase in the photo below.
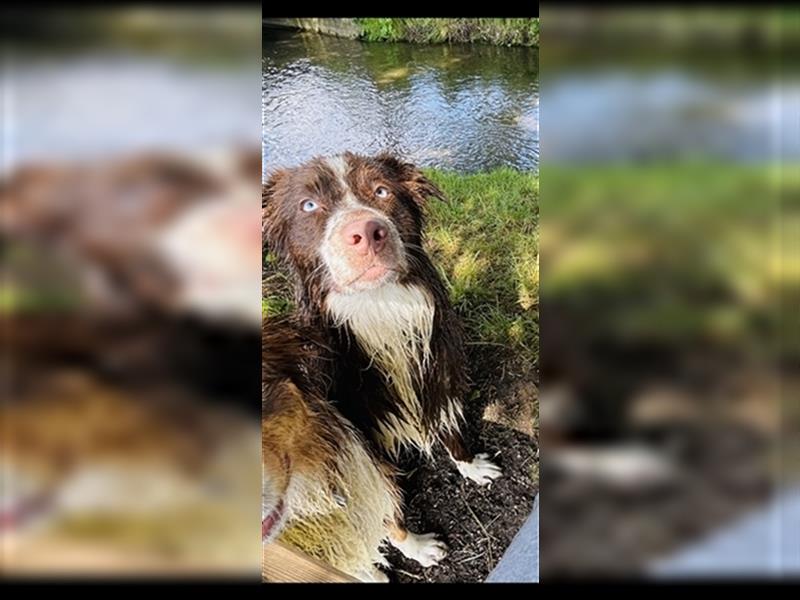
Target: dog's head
(347, 223)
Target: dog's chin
(372, 278)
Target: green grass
(496, 31)
(679, 254)
(484, 242)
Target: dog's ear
(413, 178)
(271, 224)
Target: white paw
(480, 469)
(425, 548)
(373, 575)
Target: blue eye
(310, 206)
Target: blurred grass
(671, 27)
(496, 31)
(676, 254)
(484, 242)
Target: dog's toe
(425, 548)
(373, 575)
(431, 550)
(480, 469)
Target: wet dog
(350, 228)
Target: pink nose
(365, 235)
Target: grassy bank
(500, 32)
(672, 27)
(484, 241)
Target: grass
(678, 254)
(484, 242)
(496, 31)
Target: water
(462, 107)
(92, 104)
(672, 110)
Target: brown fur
(309, 449)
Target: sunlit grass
(497, 31)
(484, 241)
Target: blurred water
(86, 104)
(668, 112)
(462, 107)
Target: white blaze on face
(343, 268)
(338, 164)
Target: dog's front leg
(478, 468)
(424, 548)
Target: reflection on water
(462, 107)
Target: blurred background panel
(130, 299)
(670, 208)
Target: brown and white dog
(325, 490)
(350, 229)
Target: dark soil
(717, 425)
(601, 530)
(477, 523)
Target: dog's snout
(365, 235)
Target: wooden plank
(282, 564)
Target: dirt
(477, 523)
(597, 529)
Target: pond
(461, 107)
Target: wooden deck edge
(282, 564)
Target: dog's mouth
(374, 275)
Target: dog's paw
(424, 548)
(480, 469)
(373, 575)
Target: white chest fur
(394, 325)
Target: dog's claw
(480, 469)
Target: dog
(350, 229)
(325, 490)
